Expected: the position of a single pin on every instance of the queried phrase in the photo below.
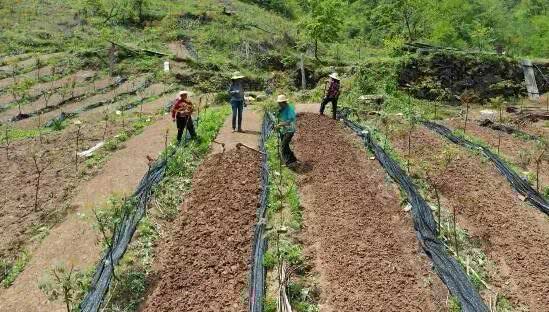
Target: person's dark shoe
(240, 130)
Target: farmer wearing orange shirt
(181, 114)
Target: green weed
(11, 271)
(454, 305)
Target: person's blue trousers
(238, 108)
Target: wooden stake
(455, 233)
(77, 148)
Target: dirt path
(251, 124)
(361, 241)
(205, 259)
(74, 242)
(512, 234)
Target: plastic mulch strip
(257, 276)
(448, 269)
(519, 184)
(123, 235)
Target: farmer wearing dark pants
(236, 92)
(286, 128)
(181, 114)
(332, 94)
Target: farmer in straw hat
(332, 90)
(181, 114)
(286, 128)
(236, 92)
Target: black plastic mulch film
(123, 235)
(519, 184)
(449, 270)
(257, 275)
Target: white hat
(237, 75)
(282, 99)
(334, 76)
(184, 92)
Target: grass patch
(10, 271)
(285, 220)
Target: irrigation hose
(258, 272)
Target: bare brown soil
(360, 239)
(205, 258)
(74, 242)
(19, 220)
(522, 153)
(513, 234)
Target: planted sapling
(467, 98)
(498, 103)
(39, 169)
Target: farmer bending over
(236, 90)
(332, 94)
(286, 128)
(181, 114)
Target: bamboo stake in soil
(538, 162)
(499, 140)
(7, 138)
(78, 124)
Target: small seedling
(46, 95)
(14, 72)
(434, 184)
(39, 169)
(73, 86)
(65, 284)
(466, 98)
(141, 98)
(38, 65)
(78, 125)
(541, 152)
(106, 120)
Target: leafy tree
(323, 21)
